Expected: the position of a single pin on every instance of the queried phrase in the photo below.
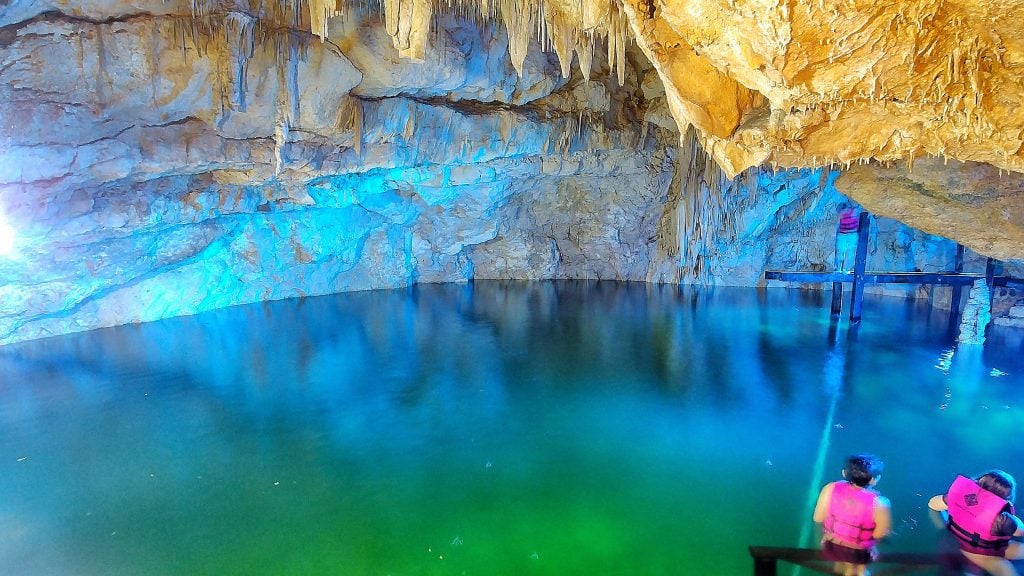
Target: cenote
(494, 428)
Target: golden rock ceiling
(790, 83)
(846, 81)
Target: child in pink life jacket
(854, 517)
(846, 237)
(979, 514)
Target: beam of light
(6, 238)
(834, 368)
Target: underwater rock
(976, 314)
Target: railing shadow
(766, 561)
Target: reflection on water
(499, 428)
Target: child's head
(999, 483)
(861, 469)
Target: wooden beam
(808, 276)
(1008, 281)
(945, 278)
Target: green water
(500, 429)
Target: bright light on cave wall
(6, 238)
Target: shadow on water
(492, 428)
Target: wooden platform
(859, 277)
(945, 278)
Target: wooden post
(837, 299)
(857, 296)
(991, 267)
(954, 299)
(958, 267)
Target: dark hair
(999, 483)
(1004, 524)
(861, 469)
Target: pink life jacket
(848, 222)
(972, 510)
(850, 520)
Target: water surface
(554, 428)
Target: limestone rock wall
(155, 164)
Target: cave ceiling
(792, 83)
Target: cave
(485, 287)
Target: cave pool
(495, 428)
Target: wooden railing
(766, 561)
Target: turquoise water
(587, 428)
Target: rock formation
(976, 314)
(162, 157)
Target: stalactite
(612, 52)
(239, 37)
(518, 18)
(181, 32)
(617, 30)
(702, 213)
(320, 13)
(350, 118)
(287, 101)
(410, 126)
(558, 28)
(563, 44)
(408, 23)
(620, 44)
(292, 91)
(391, 16)
(585, 54)
(506, 122)
(203, 8)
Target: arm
(821, 508)
(938, 503)
(883, 519)
(937, 511)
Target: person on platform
(846, 237)
(854, 516)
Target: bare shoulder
(881, 501)
(826, 491)
(824, 501)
